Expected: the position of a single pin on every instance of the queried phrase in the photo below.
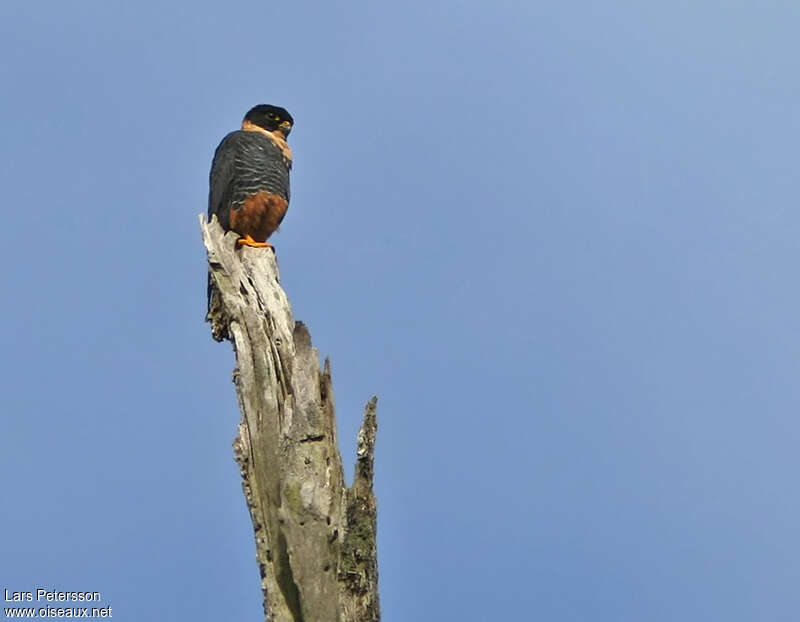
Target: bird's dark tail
(208, 293)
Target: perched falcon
(249, 181)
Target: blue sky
(557, 239)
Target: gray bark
(315, 537)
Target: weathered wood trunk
(315, 537)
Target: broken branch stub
(315, 537)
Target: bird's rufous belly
(259, 215)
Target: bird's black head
(271, 118)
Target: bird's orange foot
(249, 241)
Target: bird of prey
(249, 180)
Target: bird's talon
(249, 241)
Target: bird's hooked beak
(285, 127)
